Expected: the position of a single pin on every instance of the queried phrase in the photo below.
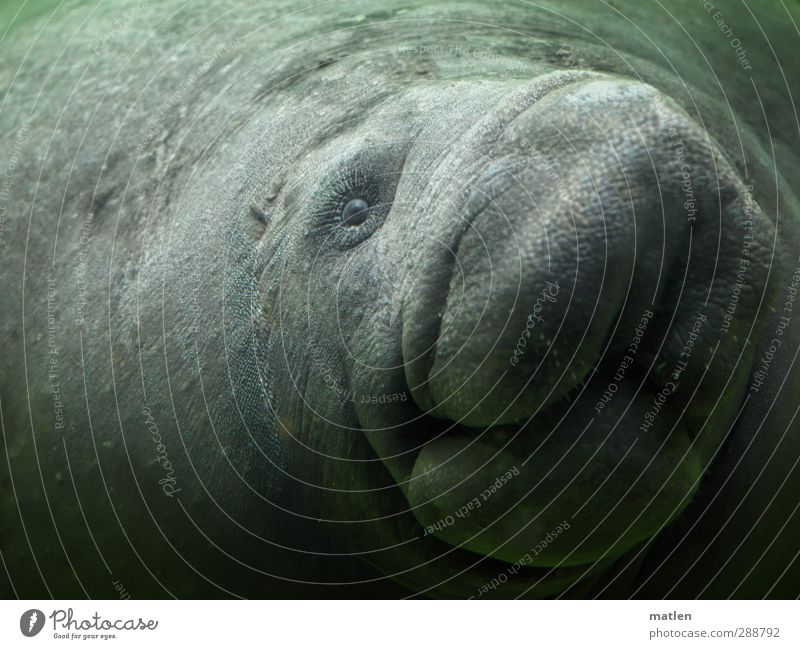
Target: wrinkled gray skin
(232, 393)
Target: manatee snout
(585, 221)
(586, 216)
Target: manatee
(410, 299)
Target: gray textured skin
(217, 324)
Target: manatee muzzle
(566, 411)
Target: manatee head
(490, 309)
(482, 313)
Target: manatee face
(497, 284)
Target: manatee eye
(355, 212)
(355, 201)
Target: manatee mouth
(556, 500)
(562, 353)
(566, 487)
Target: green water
(18, 10)
(29, 8)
